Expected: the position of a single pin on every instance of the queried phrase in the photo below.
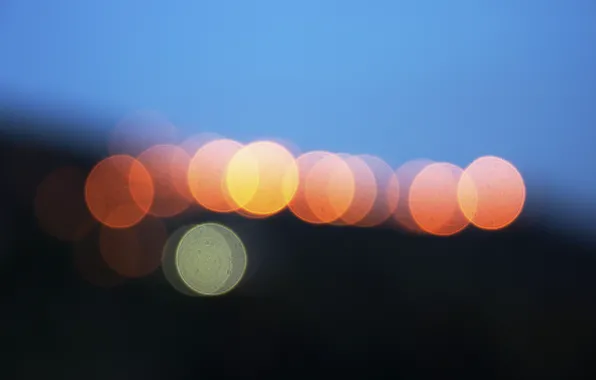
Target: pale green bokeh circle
(208, 260)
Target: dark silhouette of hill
(318, 301)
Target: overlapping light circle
(152, 178)
(262, 178)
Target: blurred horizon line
(55, 126)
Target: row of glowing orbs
(262, 178)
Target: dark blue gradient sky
(442, 79)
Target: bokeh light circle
(329, 188)
(433, 200)
(207, 175)
(210, 259)
(299, 204)
(119, 191)
(405, 175)
(262, 178)
(491, 193)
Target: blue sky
(442, 79)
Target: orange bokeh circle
(299, 204)
(207, 175)
(329, 188)
(433, 200)
(119, 191)
(491, 193)
(262, 178)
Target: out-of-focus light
(491, 193)
(262, 178)
(207, 175)
(365, 191)
(168, 166)
(136, 251)
(139, 131)
(329, 188)
(388, 190)
(168, 262)
(119, 191)
(433, 200)
(60, 205)
(299, 204)
(207, 260)
(405, 175)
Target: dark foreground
(319, 302)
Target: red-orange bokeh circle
(119, 191)
(433, 200)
